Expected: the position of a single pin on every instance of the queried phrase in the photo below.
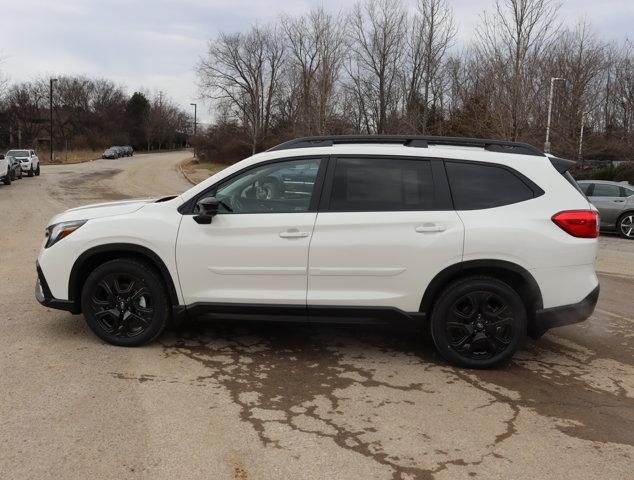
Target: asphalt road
(242, 401)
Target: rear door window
(477, 186)
(381, 184)
(606, 190)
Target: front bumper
(548, 318)
(25, 166)
(44, 296)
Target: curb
(180, 168)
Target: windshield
(18, 153)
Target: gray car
(615, 202)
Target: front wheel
(626, 226)
(125, 303)
(7, 178)
(478, 322)
(37, 170)
(30, 171)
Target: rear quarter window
(477, 186)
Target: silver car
(615, 202)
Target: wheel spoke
(110, 312)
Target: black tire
(21, 174)
(625, 225)
(7, 178)
(478, 322)
(37, 170)
(31, 171)
(125, 302)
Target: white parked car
(28, 160)
(485, 241)
(5, 170)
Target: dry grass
(70, 156)
(196, 171)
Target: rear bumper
(44, 296)
(548, 318)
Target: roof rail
(419, 141)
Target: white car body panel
(243, 258)
(151, 225)
(345, 259)
(378, 258)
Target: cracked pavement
(242, 401)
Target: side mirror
(207, 207)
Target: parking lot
(267, 401)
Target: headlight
(56, 232)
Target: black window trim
(536, 189)
(187, 208)
(442, 199)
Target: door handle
(618, 201)
(293, 233)
(431, 227)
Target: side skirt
(319, 314)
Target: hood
(99, 210)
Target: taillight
(578, 223)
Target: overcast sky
(154, 44)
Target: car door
(608, 200)
(385, 228)
(255, 250)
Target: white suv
(29, 161)
(485, 241)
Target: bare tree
(511, 39)
(431, 33)
(243, 71)
(376, 40)
(315, 47)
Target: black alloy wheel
(125, 303)
(478, 322)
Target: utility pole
(550, 109)
(195, 122)
(50, 98)
(195, 107)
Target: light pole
(50, 98)
(550, 109)
(195, 108)
(195, 122)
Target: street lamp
(195, 121)
(550, 108)
(195, 107)
(50, 98)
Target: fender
(485, 267)
(111, 250)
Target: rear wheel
(125, 303)
(626, 226)
(478, 322)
